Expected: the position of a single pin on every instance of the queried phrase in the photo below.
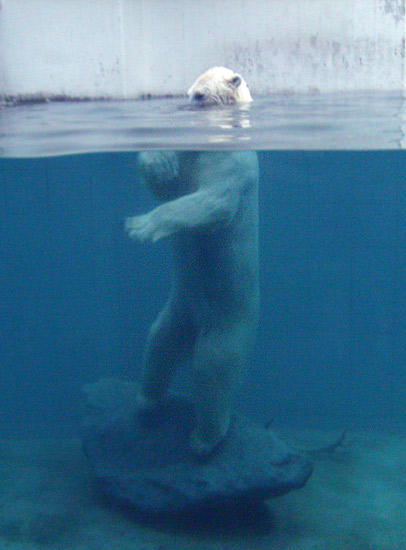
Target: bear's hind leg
(170, 341)
(219, 357)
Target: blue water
(77, 296)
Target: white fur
(209, 206)
(216, 87)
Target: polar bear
(209, 207)
(219, 86)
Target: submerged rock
(142, 458)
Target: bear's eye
(199, 96)
(236, 80)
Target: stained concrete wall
(127, 48)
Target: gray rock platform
(142, 458)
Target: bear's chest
(185, 182)
(163, 192)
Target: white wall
(126, 48)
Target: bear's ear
(235, 81)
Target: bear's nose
(198, 96)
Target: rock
(142, 457)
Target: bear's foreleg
(161, 166)
(204, 209)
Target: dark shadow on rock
(236, 520)
(142, 458)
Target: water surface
(329, 121)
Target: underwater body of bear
(152, 449)
(209, 206)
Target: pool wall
(129, 49)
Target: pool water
(295, 122)
(77, 297)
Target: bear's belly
(217, 277)
(163, 192)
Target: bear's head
(219, 86)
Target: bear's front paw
(140, 227)
(144, 228)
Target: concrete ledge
(127, 48)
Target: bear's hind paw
(201, 448)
